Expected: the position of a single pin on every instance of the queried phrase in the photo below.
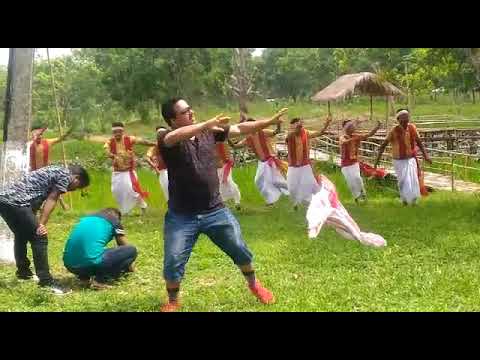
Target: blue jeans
(114, 262)
(181, 233)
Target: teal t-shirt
(88, 239)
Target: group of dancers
(194, 165)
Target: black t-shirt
(193, 186)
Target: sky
(42, 52)
(55, 52)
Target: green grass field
(431, 262)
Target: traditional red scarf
(129, 147)
(402, 149)
(292, 149)
(228, 163)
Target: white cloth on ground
(122, 190)
(302, 184)
(229, 189)
(270, 181)
(326, 208)
(354, 179)
(407, 178)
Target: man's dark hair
(250, 119)
(82, 174)
(345, 122)
(117, 123)
(112, 212)
(168, 111)
(38, 126)
(294, 120)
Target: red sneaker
(171, 306)
(262, 294)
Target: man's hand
(277, 118)
(42, 230)
(215, 123)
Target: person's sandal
(171, 306)
(95, 285)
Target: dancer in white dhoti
(228, 188)
(349, 145)
(155, 160)
(125, 185)
(404, 140)
(271, 171)
(301, 181)
(326, 208)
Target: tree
(294, 73)
(241, 79)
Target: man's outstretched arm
(249, 127)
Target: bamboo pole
(60, 128)
(388, 113)
(371, 107)
(452, 175)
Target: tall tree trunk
(18, 107)
(242, 82)
(474, 57)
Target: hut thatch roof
(364, 83)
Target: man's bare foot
(132, 267)
(85, 283)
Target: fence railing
(454, 164)
(424, 120)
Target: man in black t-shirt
(195, 206)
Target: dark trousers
(23, 223)
(114, 262)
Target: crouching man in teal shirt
(85, 254)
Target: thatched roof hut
(364, 83)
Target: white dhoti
(122, 190)
(163, 179)
(326, 208)
(228, 188)
(407, 177)
(301, 184)
(270, 181)
(354, 179)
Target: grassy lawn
(431, 262)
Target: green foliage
(295, 72)
(96, 86)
